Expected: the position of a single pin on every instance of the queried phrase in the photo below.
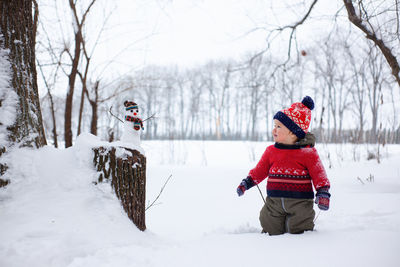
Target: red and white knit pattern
(288, 171)
(299, 114)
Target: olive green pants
(287, 215)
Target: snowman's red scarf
(137, 122)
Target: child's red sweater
(291, 171)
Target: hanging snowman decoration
(132, 124)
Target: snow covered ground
(53, 215)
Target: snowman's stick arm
(114, 115)
(151, 117)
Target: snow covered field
(53, 215)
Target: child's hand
(322, 198)
(240, 190)
(244, 185)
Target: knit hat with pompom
(297, 117)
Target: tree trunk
(94, 105)
(127, 175)
(93, 123)
(81, 106)
(53, 118)
(71, 88)
(17, 44)
(78, 24)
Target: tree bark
(17, 37)
(18, 31)
(127, 175)
(94, 105)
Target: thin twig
(316, 217)
(261, 194)
(358, 178)
(294, 27)
(162, 188)
(151, 117)
(114, 115)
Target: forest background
(216, 70)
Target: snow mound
(53, 210)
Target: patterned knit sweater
(291, 171)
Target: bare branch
(151, 117)
(387, 53)
(162, 189)
(87, 11)
(294, 26)
(114, 115)
(51, 104)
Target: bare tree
(374, 82)
(96, 97)
(218, 83)
(195, 84)
(74, 60)
(255, 82)
(378, 20)
(363, 19)
(52, 107)
(358, 93)
(79, 22)
(146, 88)
(84, 77)
(49, 67)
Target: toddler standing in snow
(292, 166)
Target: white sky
(181, 32)
(185, 32)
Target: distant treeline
(356, 98)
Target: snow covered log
(125, 168)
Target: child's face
(282, 134)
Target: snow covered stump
(126, 168)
